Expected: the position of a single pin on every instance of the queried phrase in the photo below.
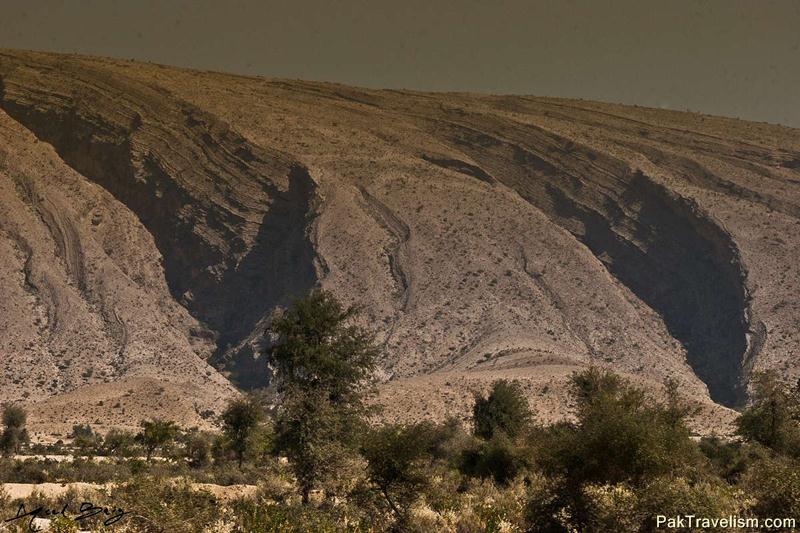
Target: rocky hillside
(151, 219)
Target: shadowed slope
(228, 217)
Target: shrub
(505, 409)
(197, 448)
(14, 434)
(86, 441)
(612, 508)
(774, 484)
(497, 508)
(255, 516)
(165, 505)
(773, 417)
(156, 434)
(119, 443)
(395, 465)
(681, 496)
(621, 436)
(548, 508)
(498, 459)
(730, 459)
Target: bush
(254, 516)
(613, 508)
(239, 421)
(14, 434)
(119, 443)
(498, 459)
(85, 440)
(773, 417)
(730, 459)
(548, 509)
(197, 448)
(156, 434)
(621, 436)
(774, 484)
(681, 496)
(505, 410)
(396, 465)
(621, 439)
(165, 505)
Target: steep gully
(668, 252)
(230, 297)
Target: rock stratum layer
(152, 218)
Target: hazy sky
(727, 57)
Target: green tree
(14, 435)
(396, 464)
(156, 434)
(621, 437)
(622, 434)
(773, 417)
(197, 446)
(261, 443)
(322, 361)
(119, 443)
(239, 422)
(505, 409)
(86, 440)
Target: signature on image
(86, 510)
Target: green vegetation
(505, 410)
(239, 422)
(772, 419)
(14, 434)
(322, 362)
(85, 440)
(623, 458)
(398, 458)
(156, 434)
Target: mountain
(152, 218)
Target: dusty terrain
(151, 218)
(23, 491)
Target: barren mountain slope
(484, 236)
(84, 299)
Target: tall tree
(239, 421)
(322, 361)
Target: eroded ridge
(663, 247)
(229, 218)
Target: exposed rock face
(152, 219)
